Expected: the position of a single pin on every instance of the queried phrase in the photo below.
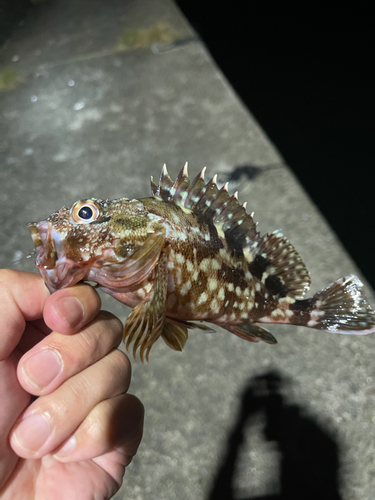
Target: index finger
(22, 298)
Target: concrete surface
(80, 117)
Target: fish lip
(57, 270)
(46, 254)
(64, 274)
(60, 271)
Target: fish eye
(84, 211)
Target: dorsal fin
(271, 258)
(274, 261)
(210, 203)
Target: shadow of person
(309, 454)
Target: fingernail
(71, 309)
(67, 449)
(41, 368)
(32, 432)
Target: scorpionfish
(191, 252)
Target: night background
(305, 71)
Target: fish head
(89, 241)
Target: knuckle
(119, 368)
(111, 322)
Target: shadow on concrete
(309, 454)
(249, 171)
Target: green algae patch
(143, 38)
(8, 78)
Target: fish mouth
(57, 270)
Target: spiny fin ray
(207, 201)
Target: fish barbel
(191, 253)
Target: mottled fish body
(191, 252)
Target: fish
(189, 255)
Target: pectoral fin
(135, 268)
(145, 323)
(252, 333)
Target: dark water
(305, 72)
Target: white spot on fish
(248, 255)
(202, 298)
(189, 266)
(214, 306)
(185, 288)
(175, 218)
(180, 258)
(224, 254)
(215, 264)
(182, 236)
(171, 283)
(212, 284)
(178, 276)
(221, 294)
(205, 264)
(265, 320)
(288, 300)
(277, 312)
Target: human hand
(75, 439)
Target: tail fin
(342, 308)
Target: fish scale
(191, 253)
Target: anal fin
(175, 336)
(175, 332)
(252, 333)
(190, 325)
